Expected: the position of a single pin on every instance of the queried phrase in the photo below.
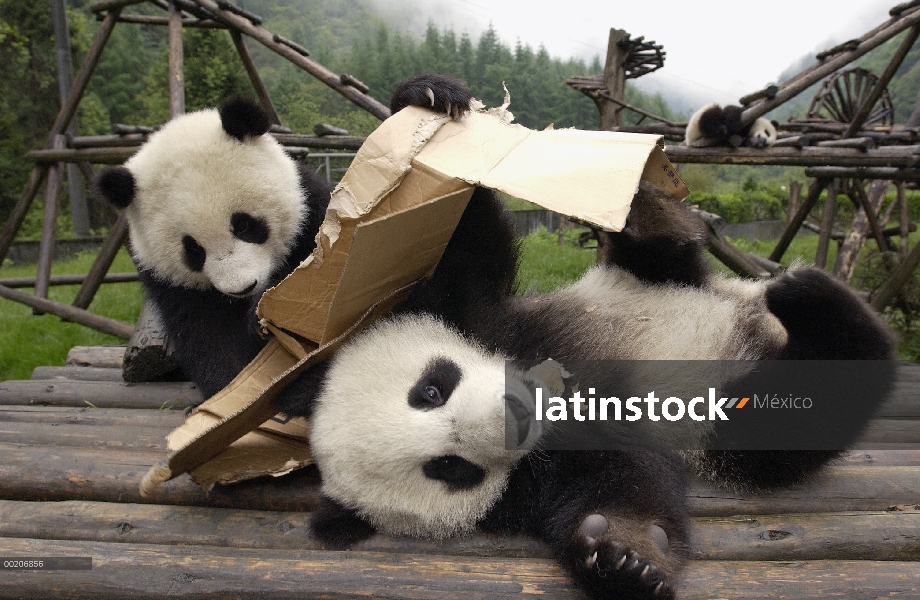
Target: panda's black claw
(441, 93)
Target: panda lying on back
(408, 421)
(713, 125)
(218, 212)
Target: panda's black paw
(624, 558)
(440, 93)
(825, 319)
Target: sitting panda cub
(713, 125)
(218, 213)
(409, 418)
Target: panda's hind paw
(613, 564)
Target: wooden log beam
(96, 356)
(29, 282)
(254, 78)
(871, 212)
(312, 67)
(885, 535)
(176, 61)
(882, 83)
(107, 5)
(166, 420)
(186, 22)
(827, 225)
(49, 225)
(814, 192)
(820, 70)
(81, 79)
(101, 394)
(117, 238)
(76, 374)
(50, 474)
(886, 173)
(811, 156)
(883, 296)
(71, 313)
(129, 570)
(21, 208)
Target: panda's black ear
(775, 123)
(116, 186)
(243, 117)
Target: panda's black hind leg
(440, 93)
(623, 557)
(826, 320)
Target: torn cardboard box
(389, 220)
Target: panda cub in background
(408, 422)
(713, 125)
(218, 213)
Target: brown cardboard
(387, 225)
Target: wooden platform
(76, 440)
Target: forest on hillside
(347, 36)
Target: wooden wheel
(843, 93)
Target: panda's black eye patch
(435, 385)
(457, 472)
(249, 228)
(194, 254)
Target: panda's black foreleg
(662, 241)
(617, 521)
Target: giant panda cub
(713, 125)
(409, 419)
(218, 212)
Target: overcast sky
(717, 48)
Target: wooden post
(118, 235)
(855, 238)
(871, 215)
(827, 224)
(814, 191)
(887, 292)
(614, 79)
(18, 214)
(176, 77)
(79, 212)
(49, 222)
(257, 84)
(904, 223)
(795, 191)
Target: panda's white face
(409, 429)
(762, 133)
(210, 210)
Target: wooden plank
(153, 571)
(111, 417)
(62, 435)
(837, 489)
(892, 431)
(43, 474)
(77, 373)
(809, 156)
(223, 527)
(102, 394)
(96, 356)
(889, 535)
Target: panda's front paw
(622, 557)
(440, 93)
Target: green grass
(28, 341)
(547, 265)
